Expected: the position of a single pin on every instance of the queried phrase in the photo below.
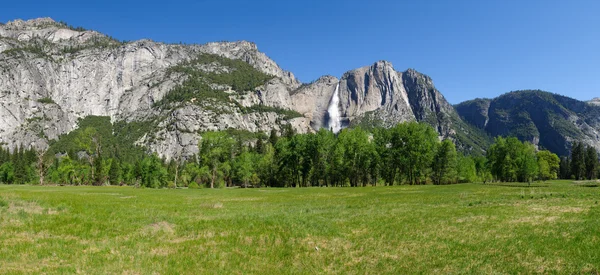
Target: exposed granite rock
(52, 75)
(427, 103)
(377, 88)
(312, 100)
(87, 73)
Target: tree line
(409, 153)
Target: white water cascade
(335, 120)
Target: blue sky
(470, 48)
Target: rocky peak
(427, 103)
(233, 48)
(595, 101)
(414, 78)
(32, 24)
(327, 79)
(374, 89)
(47, 30)
(248, 52)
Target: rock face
(313, 99)
(595, 101)
(53, 75)
(378, 95)
(378, 90)
(547, 120)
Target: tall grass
(470, 228)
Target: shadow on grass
(518, 184)
(586, 184)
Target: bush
(287, 114)
(193, 185)
(171, 185)
(46, 100)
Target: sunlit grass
(470, 228)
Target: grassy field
(470, 228)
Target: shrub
(171, 185)
(46, 100)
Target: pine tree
(565, 168)
(273, 137)
(20, 170)
(259, 146)
(578, 160)
(114, 174)
(591, 162)
(99, 173)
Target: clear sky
(471, 48)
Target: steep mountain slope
(54, 75)
(475, 111)
(548, 120)
(378, 95)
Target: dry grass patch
(163, 251)
(160, 227)
(535, 219)
(470, 219)
(216, 205)
(243, 199)
(28, 207)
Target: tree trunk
(92, 166)
(212, 180)
(176, 172)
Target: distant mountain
(595, 101)
(548, 120)
(475, 111)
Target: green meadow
(467, 228)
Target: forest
(409, 153)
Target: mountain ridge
(548, 120)
(55, 75)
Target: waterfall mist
(335, 119)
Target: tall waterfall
(335, 120)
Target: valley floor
(469, 228)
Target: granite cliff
(53, 75)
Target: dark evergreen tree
(114, 174)
(259, 146)
(591, 163)
(565, 168)
(273, 137)
(578, 161)
(20, 170)
(99, 171)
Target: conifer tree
(591, 163)
(578, 161)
